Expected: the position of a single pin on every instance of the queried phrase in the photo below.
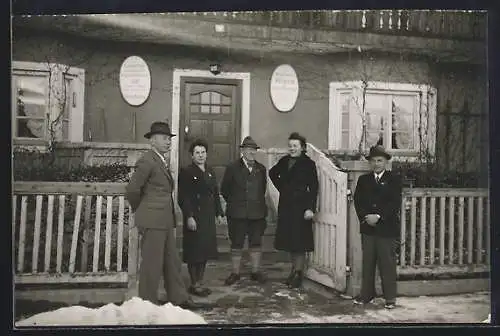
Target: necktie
(377, 179)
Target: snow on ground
(467, 308)
(132, 312)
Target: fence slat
(36, 236)
(432, 230)
(22, 234)
(109, 221)
(479, 238)
(14, 211)
(85, 234)
(470, 226)
(442, 229)
(97, 234)
(460, 243)
(451, 229)
(76, 231)
(48, 232)
(119, 247)
(402, 253)
(413, 230)
(60, 233)
(423, 227)
(488, 228)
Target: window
(48, 103)
(401, 117)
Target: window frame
(56, 74)
(426, 95)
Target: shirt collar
(160, 155)
(379, 175)
(246, 163)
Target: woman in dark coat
(200, 203)
(296, 179)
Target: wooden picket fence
(445, 230)
(72, 233)
(84, 233)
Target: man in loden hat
(244, 187)
(149, 193)
(377, 200)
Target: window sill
(32, 144)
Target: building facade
(415, 81)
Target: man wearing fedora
(149, 193)
(377, 200)
(244, 187)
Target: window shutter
(77, 100)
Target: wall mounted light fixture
(215, 68)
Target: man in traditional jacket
(377, 200)
(149, 193)
(244, 187)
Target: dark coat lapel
(163, 167)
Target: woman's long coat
(298, 188)
(199, 198)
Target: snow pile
(488, 320)
(132, 312)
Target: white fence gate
(327, 264)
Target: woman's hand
(191, 224)
(372, 219)
(308, 214)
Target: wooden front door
(210, 110)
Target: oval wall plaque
(135, 80)
(284, 88)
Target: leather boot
(296, 281)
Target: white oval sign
(135, 80)
(284, 88)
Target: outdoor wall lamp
(215, 68)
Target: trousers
(379, 252)
(161, 258)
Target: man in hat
(149, 193)
(377, 200)
(244, 187)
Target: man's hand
(372, 219)
(308, 214)
(191, 224)
(219, 220)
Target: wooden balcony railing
(466, 25)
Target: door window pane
(215, 109)
(216, 98)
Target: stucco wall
(109, 119)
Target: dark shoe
(233, 277)
(296, 281)
(258, 276)
(191, 305)
(198, 291)
(288, 280)
(390, 305)
(360, 301)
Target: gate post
(354, 254)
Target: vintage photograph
(250, 168)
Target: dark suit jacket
(383, 199)
(245, 192)
(149, 193)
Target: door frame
(180, 74)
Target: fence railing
(432, 23)
(72, 233)
(445, 230)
